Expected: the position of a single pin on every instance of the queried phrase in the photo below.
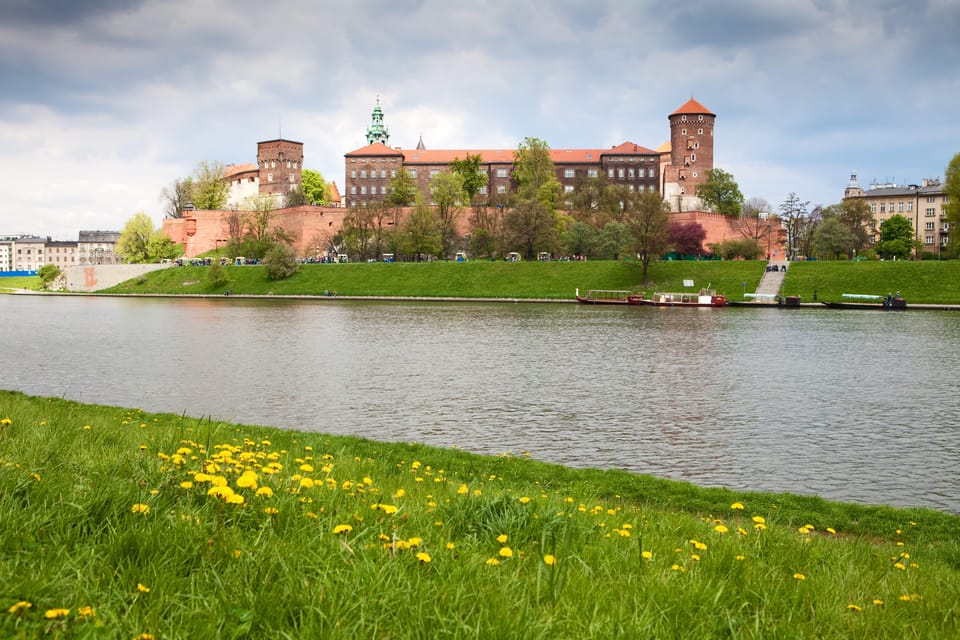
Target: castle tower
(691, 155)
(376, 132)
(280, 164)
(853, 189)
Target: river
(857, 406)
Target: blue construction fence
(11, 274)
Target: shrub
(48, 273)
(280, 262)
(216, 276)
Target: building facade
(674, 170)
(97, 247)
(923, 204)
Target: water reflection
(849, 405)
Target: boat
(609, 296)
(869, 302)
(703, 298)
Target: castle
(674, 169)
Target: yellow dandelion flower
(737, 506)
(502, 538)
(477, 492)
(271, 511)
(87, 427)
(236, 498)
(623, 533)
(549, 560)
(505, 552)
(831, 530)
(853, 607)
(804, 530)
(142, 588)
(142, 509)
(799, 576)
(759, 526)
(54, 614)
(905, 597)
(878, 602)
(388, 509)
(144, 636)
(23, 605)
(186, 484)
(306, 483)
(6, 422)
(695, 556)
(220, 493)
(646, 555)
(415, 541)
(676, 567)
(247, 480)
(740, 557)
(399, 493)
(899, 565)
(450, 545)
(524, 500)
(741, 531)
(306, 468)
(494, 562)
(462, 489)
(264, 492)
(423, 557)
(86, 611)
(720, 529)
(342, 528)
(759, 519)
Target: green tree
(579, 239)
(161, 247)
(613, 240)
(134, 242)
(595, 201)
(721, 193)
(280, 262)
(530, 227)
(534, 172)
(359, 227)
(403, 189)
(896, 238)
(421, 233)
(793, 212)
(48, 273)
(951, 190)
(473, 176)
(216, 276)
(175, 197)
(447, 191)
(315, 189)
(209, 188)
(258, 238)
(648, 220)
(854, 214)
(832, 238)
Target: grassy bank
(116, 523)
(19, 282)
(928, 282)
(473, 279)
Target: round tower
(691, 154)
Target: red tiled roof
(496, 156)
(692, 106)
(234, 169)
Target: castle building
(923, 204)
(673, 170)
(278, 171)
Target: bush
(280, 262)
(48, 273)
(216, 276)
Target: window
(501, 173)
(931, 199)
(434, 172)
(591, 173)
(930, 226)
(483, 190)
(353, 190)
(501, 188)
(363, 190)
(873, 207)
(928, 239)
(694, 174)
(568, 173)
(693, 157)
(696, 145)
(269, 177)
(363, 174)
(700, 118)
(900, 207)
(383, 190)
(393, 173)
(413, 173)
(609, 173)
(383, 173)
(291, 178)
(630, 188)
(651, 173)
(568, 188)
(620, 173)
(910, 206)
(683, 118)
(683, 132)
(630, 172)
(883, 207)
(930, 212)
(700, 132)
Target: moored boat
(870, 302)
(608, 296)
(704, 298)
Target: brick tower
(280, 165)
(691, 155)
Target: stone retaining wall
(103, 276)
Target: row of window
(291, 178)
(272, 164)
(629, 172)
(899, 207)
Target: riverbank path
(772, 280)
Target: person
(889, 300)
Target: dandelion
(142, 509)
(236, 498)
(899, 565)
(271, 511)
(492, 562)
(399, 493)
(23, 605)
(905, 597)
(264, 492)
(831, 531)
(462, 489)
(737, 506)
(6, 422)
(450, 545)
(720, 529)
(759, 519)
(144, 636)
(55, 614)
(186, 484)
(524, 500)
(549, 560)
(423, 557)
(853, 607)
(142, 588)
(415, 541)
(739, 558)
(220, 493)
(759, 526)
(646, 555)
(505, 552)
(799, 576)
(695, 556)
(247, 480)
(676, 567)
(741, 531)
(502, 538)
(342, 528)
(878, 602)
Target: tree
(687, 238)
(757, 222)
(720, 193)
(403, 190)
(648, 217)
(579, 239)
(832, 237)
(280, 262)
(613, 240)
(258, 226)
(530, 227)
(896, 238)
(951, 190)
(473, 177)
(161, 247)
(133, 244)
(175, 197)
(315, 189)
(594, 200)
(535, 175)
(446, 190)
(421, 233)
(209, 188)
(854, 214)
(48, 273)
(794, 214)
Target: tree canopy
(315, 189)
(648, 219)
(209, 189)
(176, 195)
(721, 193)
(896, 238)
(952, 190)
(534, 172)
(140, 242)
(473, 177)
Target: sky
(103, 103)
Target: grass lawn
(20, 282)
(115, 523)
(929, 282)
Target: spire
(376, 132)
(420, 145)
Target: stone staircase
(772, 281)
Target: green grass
(473, 279)
(929, 282)
(327, 555)
(20, 282)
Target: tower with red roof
(691, 155)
